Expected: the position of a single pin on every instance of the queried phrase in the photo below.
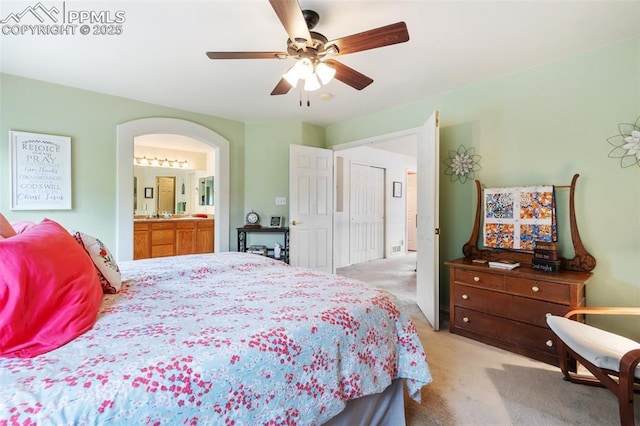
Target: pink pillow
(21, 226)
(49, 291)
(6, 230)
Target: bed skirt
(384, 409)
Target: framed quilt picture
(514, 218)
(40, 171)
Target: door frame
(414, 131)
(417, 132)
(125, 135)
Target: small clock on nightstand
(253, 220)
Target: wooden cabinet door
(185, 237)
(141, 245)
(204, 236)
(141, 241)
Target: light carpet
(477, 384)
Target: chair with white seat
(611, 358)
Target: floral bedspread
(229, 338)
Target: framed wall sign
(40, 171)
(148, 192)
(397, 189)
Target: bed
(228, 338)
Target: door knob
(294, 223)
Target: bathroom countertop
(140, 218)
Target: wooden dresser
(508, 308)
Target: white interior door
(412, 212)
(166, 196)
(366, 213)
(311, 207)
(428, 221)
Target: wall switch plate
(281, 201)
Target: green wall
(90, 119)
(541, 126)
(267, 163)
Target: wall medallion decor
(462, 164)
(626, 144)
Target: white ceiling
(160, 56)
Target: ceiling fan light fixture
(312, 83)
(302, 70)
(291, 76)
(305, 68)
(325, 72)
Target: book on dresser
(546, 265)
(545, 254)
(503, 264)
(545, 245)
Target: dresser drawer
(162, 237)
(162, 250)
(205, 224)
(504, 305)
(162, 225)
(480, 279)
(512, 333)
(186, 224)
(543, 290)
(140, 226)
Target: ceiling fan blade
(372, 39)
(282, 88)
(292, 19)
(247, 55)
(348, 75)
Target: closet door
(366, 210)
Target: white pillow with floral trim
(108, 271)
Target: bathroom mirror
(205, 189)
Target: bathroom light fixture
(177, 164)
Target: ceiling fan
(312, 49)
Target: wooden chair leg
(626, 386)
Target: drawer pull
(476, 279)
(549, 343)
(465, 319)
(535, 289)
(465, 297)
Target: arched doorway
(126, 133)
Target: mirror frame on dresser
(582, 261)
(508, 308)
